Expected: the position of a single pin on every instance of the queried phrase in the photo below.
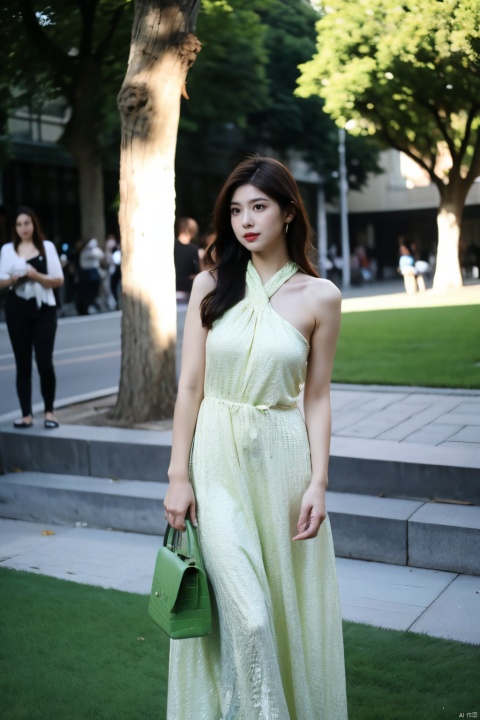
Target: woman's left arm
(54, 278)
(317, 408)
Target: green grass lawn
(75, 652)
(433, 347)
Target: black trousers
(32, 328)
(88, 288)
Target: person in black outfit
(31, 269)
(186, 257)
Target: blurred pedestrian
(363, 263)
(109, 268)
(335, 270)
(422, 270)
(90, 259)
(206, 240)
(406, 267)
(186, 257)
(31, 269)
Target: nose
(246, 218)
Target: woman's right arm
(180, 498)
(6, 280)
(9, 281)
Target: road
(87, 361)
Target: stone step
(98, 502)
(402, 532)
(371, 528)
(362, 467)
(404, 470)
(85, 450)
(438, 536)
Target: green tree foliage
(242, 100)
(229, 79)
(76, 51)
(292, 122)
(408, 73)
(227, 82)
(242, 93)
(241, 88)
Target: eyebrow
(250, 201)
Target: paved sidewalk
(440, 604)
(444, 418)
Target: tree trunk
(448, 275)
(161, 53)
(92, 203)
(82, 137)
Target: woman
(251, 473)
(31, 269)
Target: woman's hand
(32, 274)
(46, 281)
(180, 500)
(312, 513)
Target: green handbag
(180, 600)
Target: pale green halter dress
(276, 652)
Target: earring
(286, 228)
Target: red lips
(249, 237)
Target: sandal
(51, 424)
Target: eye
(259, 206)
(234, 210)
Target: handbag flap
(168, 575)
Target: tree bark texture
(448, 274)
(162, 51)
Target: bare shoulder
(203, 283)
(322, 293)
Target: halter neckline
(273, 283)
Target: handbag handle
(176, 541)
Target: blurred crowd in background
(93, 276)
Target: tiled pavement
(444, 418)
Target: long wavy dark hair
(228, 256)
(38, 235)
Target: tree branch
(441, 126)
(468, 128)
(405, 149)
(474, 170)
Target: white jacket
(13, 264)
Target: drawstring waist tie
(261, 408)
